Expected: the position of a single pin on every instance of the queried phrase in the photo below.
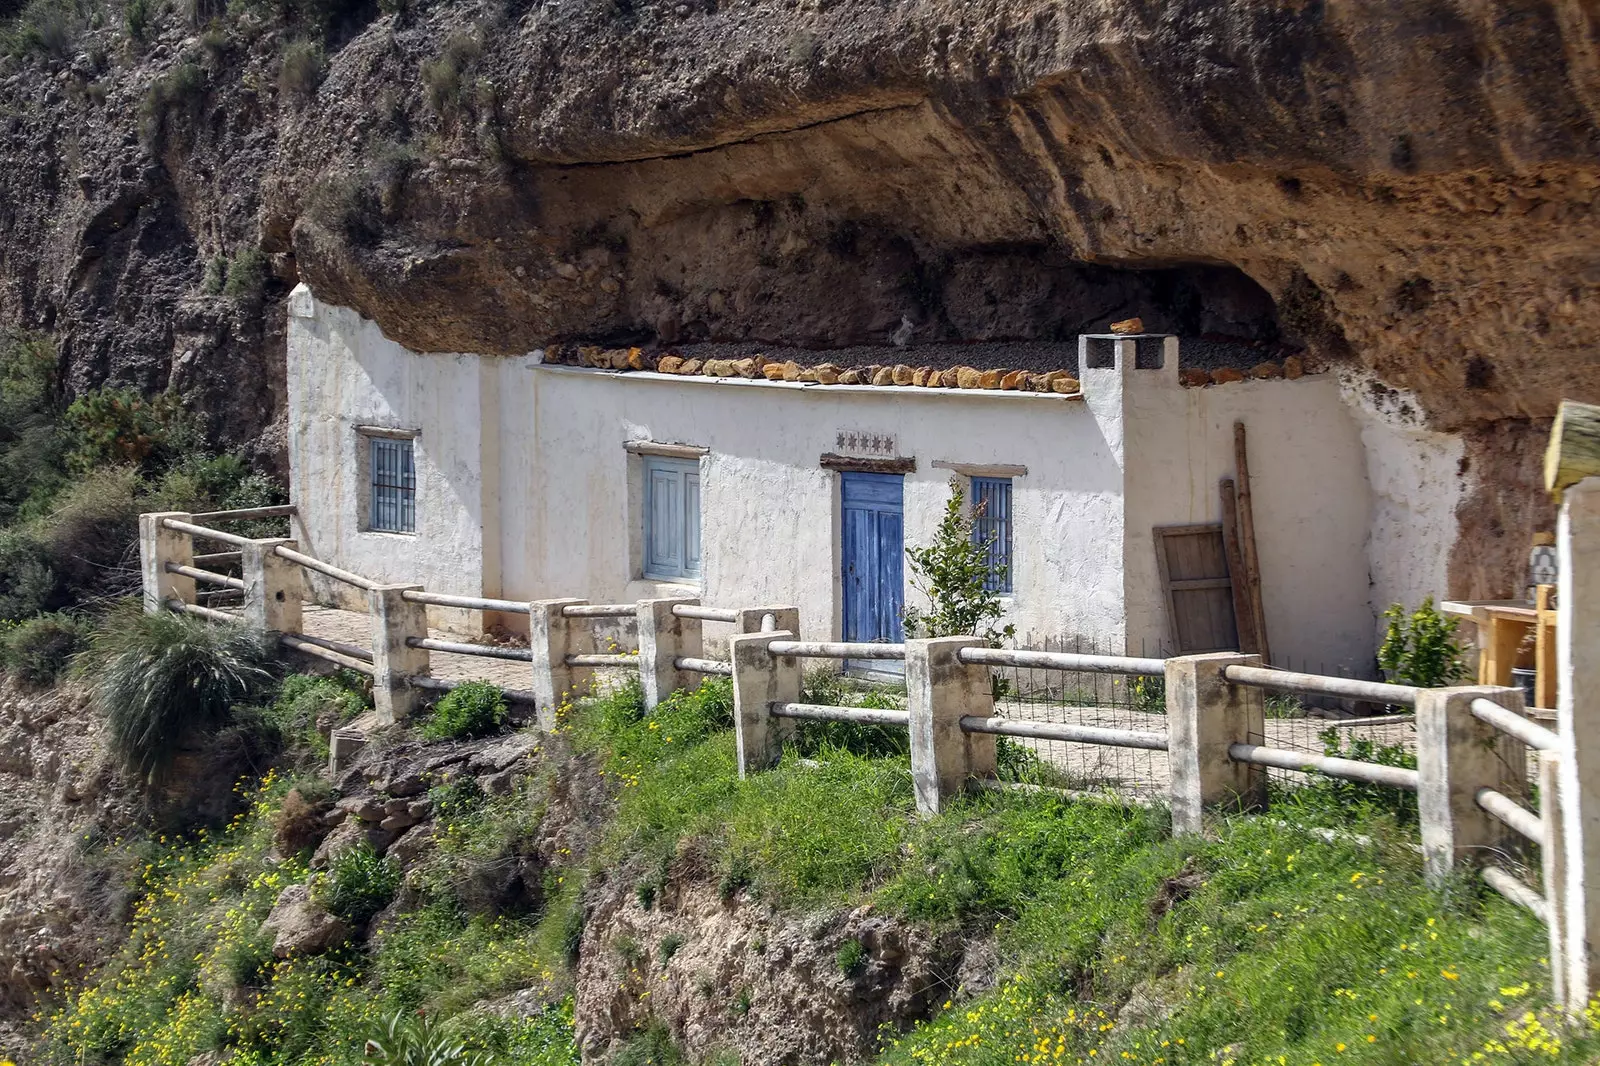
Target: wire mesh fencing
(1083, 698)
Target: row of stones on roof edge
(1062, 382)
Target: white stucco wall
(1310, 497)
(770, 512)
(343, 374)
(526, 490)
(1417, 485)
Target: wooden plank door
(1198, 588)
(872, 562)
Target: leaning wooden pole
(1247, 543)
(1244, 617)
(1574, 450)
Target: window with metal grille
(671, 518)
(991, 528)
(394, 485)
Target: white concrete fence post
(395, 620)
(1554, 872)
(273, 587)
(1578, 723)
(1456, 756)
(552, 636)
(769, 619)
(940, 691)
(663, 639)
(1206, 714)
(761, 679)
(159, 546)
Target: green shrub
(301, 73)
(47, 28)
(1421, 649)
(39, 649)
(952, 574)
(215, 276)
(180, 90)
(651, 1047)
(118, 427)
(136, 17)
(472, 709)
(159, 678)
(359, 883)
(443, 84)
(303, 699)
(27, 583)
(31, 441)
(851, 958)
(91, 533)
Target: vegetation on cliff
(1263, 943)
(73, 479)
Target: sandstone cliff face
(1408, 187)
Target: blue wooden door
(872, 562)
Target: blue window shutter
(671, 518)
(991, 526)
(691, 523)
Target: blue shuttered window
(394, 485)
(991, 527)
(671, 518)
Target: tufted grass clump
(159, 679)
(471, 709)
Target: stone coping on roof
(817, 388)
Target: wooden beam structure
(1574, 451)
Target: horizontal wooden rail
(601, 660)
(703, 666)
(1075, 734)
(439, 684)
(1332, 766)
(201, 612)
(355, 651)
(1061, 660)
(470, 603)
(1318, 685)
(241, 514)
(822, 712)
(819, 649)
(1513, 888)
(218, 558)
(705, 614)
(487, 651)
(1512, 813)
(317, 651)
(208, 576)
(328, 569)
(600, 610)
(1510, 722)
(203, 532)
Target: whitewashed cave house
(517, 478)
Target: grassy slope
(1264, 944)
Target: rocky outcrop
(1407, 187)
(724, 972)
(300, 925)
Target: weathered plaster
(526, 490)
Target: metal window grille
(394, 486)
(991, 527)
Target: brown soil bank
(1408, 186)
